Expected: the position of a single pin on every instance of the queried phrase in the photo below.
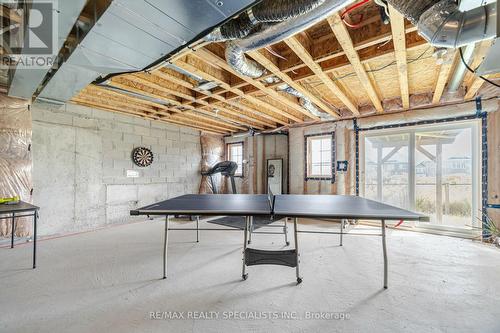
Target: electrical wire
(350, 9)
(392, 63)
(474, 71)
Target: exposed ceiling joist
(237, 92)
(443, 76)
(473, 82)
(144, 115)
(248, 121)
(306, 57)
(399, 40)
(273, 68)
(345, 41)
(130, 87)
(216, 60)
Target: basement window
(320, 156)
(235, 154)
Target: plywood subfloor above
(340, 69)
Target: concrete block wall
(81, 157)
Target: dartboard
(142, 157)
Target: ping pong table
(336, 207)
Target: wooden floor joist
(214, 59)
(237, 92)
(233, 116)
(443, 76)
(273, 68)
(338, 68)
(399, 40)
(148, 116)
(259, 85)
(306, 57)
(474, 82)
(345, 41)
(130, 87)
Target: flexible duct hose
(235, 29)
(305, 102)
(271, 34)
(268, 11)
(412, 9)
(281, 10)
(235, 56)
(442, 23)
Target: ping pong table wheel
(245, 276)
(299, 280)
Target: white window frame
(240, 172)
(474, 125)
(308, 156)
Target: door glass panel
(442, 165)
(386, 169)
(444, 176)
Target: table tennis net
(271, 198)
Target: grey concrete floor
(109, 281)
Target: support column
(439, 183)
(379, 173)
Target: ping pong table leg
(197, 229)
(295, 220)
(250, 230)
(244, 275)
(341, 230)
(13, 229)
(384, 248)
(35, 217)
(285, 231)
(165, 247)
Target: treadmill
(226, 169)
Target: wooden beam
(305, 56)
(144, 115)
(473, 82)
(443, 76)
(363, 41)
(210, 57)
(226, 126)
(243, 119)
(195, 70)
(273, 68)
(148, 79)
(94, 89)
(345, 41)
(12, 15)
(474, 87)
(399, 40)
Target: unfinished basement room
(249, 166)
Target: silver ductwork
(304, 101)
(460, 70)
(273, 33)
(267, 11)
(444, 25)
(235, 56)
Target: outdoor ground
(109, 281)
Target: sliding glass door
(432, 169)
